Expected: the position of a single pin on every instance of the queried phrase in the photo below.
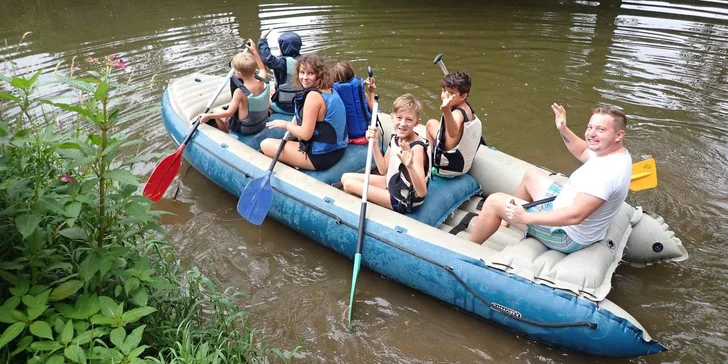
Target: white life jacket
(398, 180)
(457, 161)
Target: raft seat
(586, 272)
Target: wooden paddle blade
(644, 175)
(163, 175)
(256, 199)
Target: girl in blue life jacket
(319, 121)
(358, 97)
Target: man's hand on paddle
(265, 33)
(371, 85)
(559, 116)
(516, 213)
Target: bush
(82, 278)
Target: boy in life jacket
(284, 69)
(358, 97)
(457, 136)
(248, 110)
(405, 168)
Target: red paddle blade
(163, 175)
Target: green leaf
(55, 359)
(102, 91)
(133, 340)
(75, 354)
(27, 223)
(67, 333)
(134, 315)
(102, 320)
(65, 289)
(108, 306)
(72, 108)
(86, 337)
(45, 345)
(140, 296)
(22, 344)
(117, 336)
(122, 176)
(131, 285)
(89, 267)
(41, 329)
(73, 209)
(8, 96)
(136, 352)
(6, 315)
(11, 266)
(137, 210)
(11, 333)
(20, 288)
(35, 312)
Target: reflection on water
(664, 62)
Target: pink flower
(66, 178)
(120, 64)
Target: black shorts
(325, 161)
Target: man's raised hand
(559, 116)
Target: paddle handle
(538, 202)
(367, 174)
(196, 124)
(438, 61)
(278, 152)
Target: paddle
(167, 169)
(257, 196)
(363, 211)
(438, 61)
(644, 176)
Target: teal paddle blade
(255, 201)
(357, 265)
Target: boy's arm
(371, 89)
(576, 145)
(416, 169)
(262, 71)
(379, 160)
(453, 122)
(276, 63)
(232, 107)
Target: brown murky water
(664, 62)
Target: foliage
(81, 277)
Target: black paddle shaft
(278, 152)
(536, 203)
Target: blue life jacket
(357, 110)
(257, 108)
(329, 134)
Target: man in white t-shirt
(583, 209)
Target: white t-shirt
(607, 178)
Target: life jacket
(286, 91)
(358, 115)
(257, 107)
(399, 183)
(329, 134)
(457, 161)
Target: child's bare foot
(504, 223)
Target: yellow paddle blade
(644, 175)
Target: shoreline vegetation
(83, 276)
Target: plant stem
(102, 180)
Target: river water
(664, 62)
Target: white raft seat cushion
(586, 272)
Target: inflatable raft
(513, 282)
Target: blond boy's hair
(407, 102)
(244, 62)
